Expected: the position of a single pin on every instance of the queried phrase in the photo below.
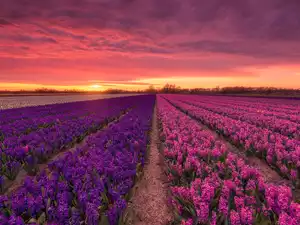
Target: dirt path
(148, 206)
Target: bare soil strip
(149, 202)
(11, 185)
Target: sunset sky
(100, 44)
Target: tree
(151, 89)
(171, 88)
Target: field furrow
(149, 202)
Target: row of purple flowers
(91, 184)
(60, 131)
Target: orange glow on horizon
(94, 87)
(276, 76)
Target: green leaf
(42, 219)
(214, 203)
(177, 217)
(260, 219)
(121, 220)
(102, 208)
(104, 220)
(104, 198)
(32, 220)
(48, 202)
(226, 221)
(139, 167)
(129, 195)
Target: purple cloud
(4, 22)
(151, 36)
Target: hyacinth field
(225, 160)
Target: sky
(130, 44)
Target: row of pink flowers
(290, 107)
(279, 151)
(269, 109)
(210, 185)
(282, 126)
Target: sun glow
(95, 86)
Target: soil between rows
(148, 206)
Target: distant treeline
(260, 91)
(50, 90)
(239, 90)
(171, 88)
(40, 90)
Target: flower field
(280, 147)
(211, 185)
(77, 163)
(88, 185)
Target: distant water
(24, 101)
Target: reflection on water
(23, 101)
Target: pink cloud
(79, 40)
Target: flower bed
(90, 185)
(27, 150)
(284, 127)
(209, 185)
(280, 152)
